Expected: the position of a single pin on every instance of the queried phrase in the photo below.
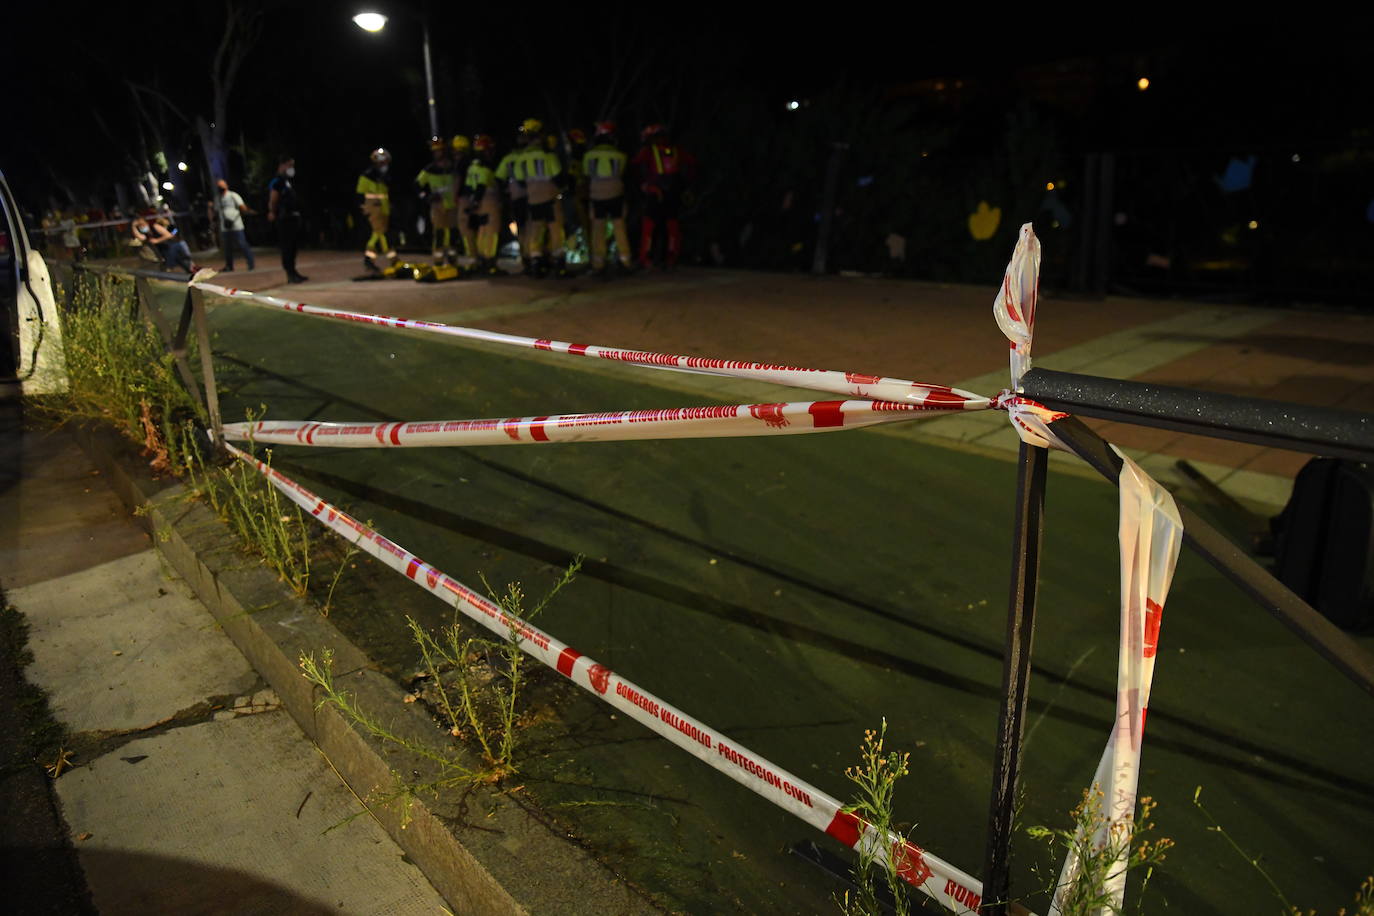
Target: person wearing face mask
(374, 196)
(231, 209)
(284, 212)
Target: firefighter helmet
(577, 136)
(380, 156)
(653, 130)
(483, 142)
(461, 144)
(531, 126)
(604, 128)
(436, 144)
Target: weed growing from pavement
(484, 708)
(451, 771)
(1364, 897)
(1100, 851)
(265, 521)
(876, 779)
(474, 698)
(351, 550)
(119, 370)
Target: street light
(370, 22)
(374, 22)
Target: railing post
(176, 345)
(1016, 666)
(207, 363)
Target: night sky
(316, 85)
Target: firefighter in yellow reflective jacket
(439, 182)
(462, 156)
(604, 165)
(375, 199)
(484, 207)
(511, 171)
(544, 179)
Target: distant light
(1297, 158)
(925, 153)
(1049, 186)
(1055, 224)
(168, 186)
(1254, 224)
(183, 166)
(793, 105)
(1142, 84)
(370, 22)
(514, 229)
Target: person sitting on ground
(164, 236)
(141, 237)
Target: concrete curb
(514, 864)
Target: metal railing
(1319, 430)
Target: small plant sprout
(876, 780)
(1099, 853)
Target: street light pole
(429, 83)
(375, 22)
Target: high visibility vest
(442, 182)
(540, 165)
(511, 169)
(374, 189)
(480, 175)
(605, 167)
(604, 161)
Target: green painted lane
(793, 591)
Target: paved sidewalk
(191, 790)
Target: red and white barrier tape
(850, 384)
(669, 423)
(1150, 534)
(928, 873)
(1014, 309)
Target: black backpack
(1324, 540)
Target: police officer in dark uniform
(284, 212)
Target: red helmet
(653, 130)
(604, 128)
(483, 142)
(436, 144)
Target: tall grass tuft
(875, 779)
(474, 698)
(119, 369)
(266, 522)
(1127, 846)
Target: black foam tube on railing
(1300, 427)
